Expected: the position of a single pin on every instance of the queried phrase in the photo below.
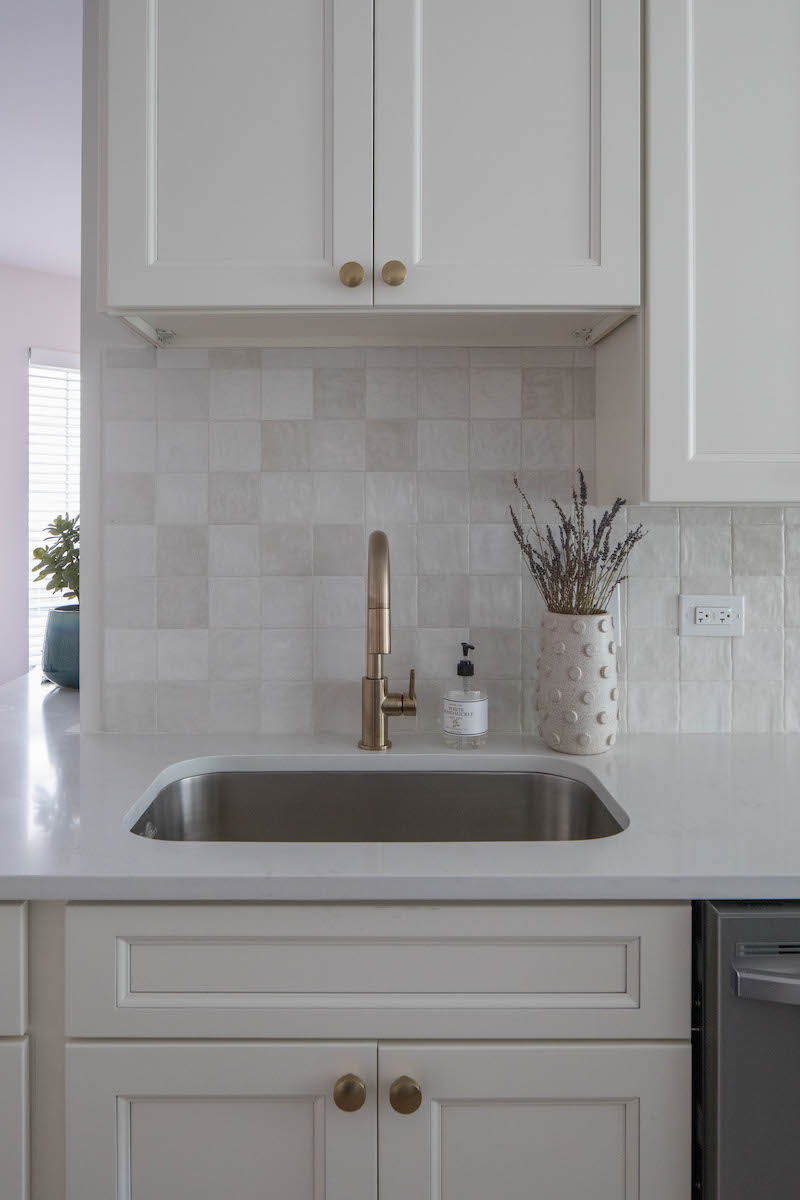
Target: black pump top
(465, 667)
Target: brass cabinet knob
(405, 1095)
(351, 274)
(349, 1093)
(394, 273)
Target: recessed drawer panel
(13, 970)
(378, 970)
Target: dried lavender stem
(574, 569)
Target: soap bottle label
(467, 718)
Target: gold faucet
(377, 703)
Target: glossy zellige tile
(444, 549)
(234, 446)
(183, 445)
(444, 392)
(548, 392)
(287, 393)
(495, 391)
(234, 394)
(443, 445)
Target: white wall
(38, 310)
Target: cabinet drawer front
(378, 971)
(13, 970)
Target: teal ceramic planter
(61, 653)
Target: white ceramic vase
(577, 695)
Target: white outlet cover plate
(687, 626)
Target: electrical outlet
(711, 616)
(717, 615)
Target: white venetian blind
(54, 416)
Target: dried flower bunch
(576, 568)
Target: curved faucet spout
(377, 702)
(379, 604)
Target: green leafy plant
(577, 566)
(60, 559)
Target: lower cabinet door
(243, 1121)
(513, 1121)
(14, 1119)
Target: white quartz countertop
(710, 816)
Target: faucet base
(377, 705)
(374, 732)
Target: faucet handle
(402, 704)
(409, 699)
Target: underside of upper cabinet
(252, 151)
(373, 327)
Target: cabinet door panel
(554, 1121)
(206, 1121)
(14, 1119)
(723, 251)
(239, 151)
(506, 151)
(14, 973)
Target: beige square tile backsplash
(238, 491)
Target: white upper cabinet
(723, 353)
(239, 152)
(507, 152)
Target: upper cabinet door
(507, 152)
(239, 152)
(723, 355)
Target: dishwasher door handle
(771, 977)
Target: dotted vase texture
(577, 694)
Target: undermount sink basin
(377, 806)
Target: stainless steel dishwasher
(747, 1050)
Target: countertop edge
(361, 890)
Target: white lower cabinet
(259, 1120)
(254, 1121)
(558, 1122)
(505, 1051)
(14, 1119)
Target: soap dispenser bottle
(465, 709)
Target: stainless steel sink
(378, 806)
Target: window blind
(54, 414)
